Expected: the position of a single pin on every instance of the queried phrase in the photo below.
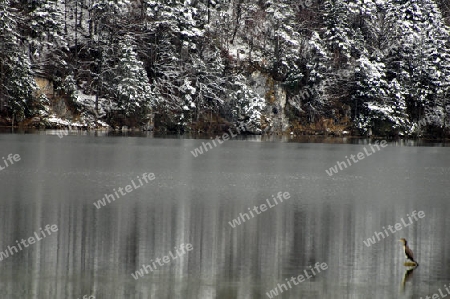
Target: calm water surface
(192, 200)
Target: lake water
(192, 200)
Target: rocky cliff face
(273, 118)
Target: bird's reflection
(407, 276)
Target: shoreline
(286, 136)
(217, 128)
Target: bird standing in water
(408, 251)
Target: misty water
(192, 200)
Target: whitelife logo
(393, 229)
(359, 155)
(208, 146)
(262, 208)
(62, 133)
(440, 295)
(165, 259)
(31, 240)
(296, 280)
(147, 177)
(431, 118)
(11, 158)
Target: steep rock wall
(273, 118)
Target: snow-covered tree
(339, 33)
(421, 65)
(313, 94)
(43, 24)
(130, 85)
(380, 103)
(16, 77)
(247, 105)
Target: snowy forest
(378, 67)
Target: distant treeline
(362, 66)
